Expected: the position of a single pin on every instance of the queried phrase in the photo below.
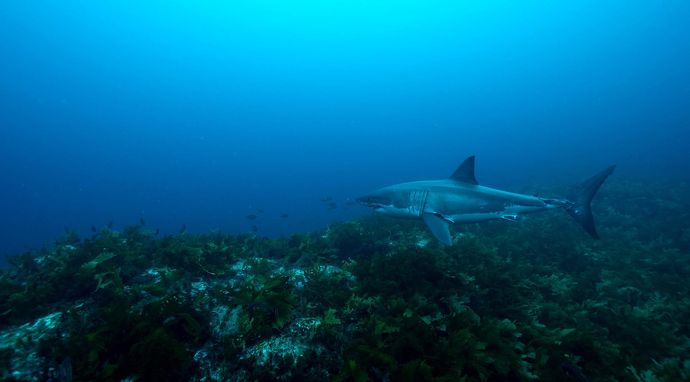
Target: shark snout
(365, 201)
(371, 202)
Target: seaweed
(269, 304)
(370, 299)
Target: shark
(461, 199)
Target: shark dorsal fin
(465, 172)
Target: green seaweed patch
(370, 299)
(101, 258)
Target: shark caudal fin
(581, 209)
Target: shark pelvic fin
(510, 217)
(438, 227)
(465, 172)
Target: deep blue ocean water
(201, 113)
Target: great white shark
(460, 199)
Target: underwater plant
(365, 300)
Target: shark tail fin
(581, 199)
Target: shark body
(460, 199)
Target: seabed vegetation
(373, 299)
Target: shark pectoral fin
(438, 227)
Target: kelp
(371, 299)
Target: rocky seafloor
(373, 299)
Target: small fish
(260, 210)
(157, 231)
(284, 215)
(326, 199)
(251, 217)
(142, 221)
(110, 224)
(183, 229)
(332, 205)
(255, 228)
(93, 228)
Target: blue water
(200, 113)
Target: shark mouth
(367, 202)
(375, 206)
